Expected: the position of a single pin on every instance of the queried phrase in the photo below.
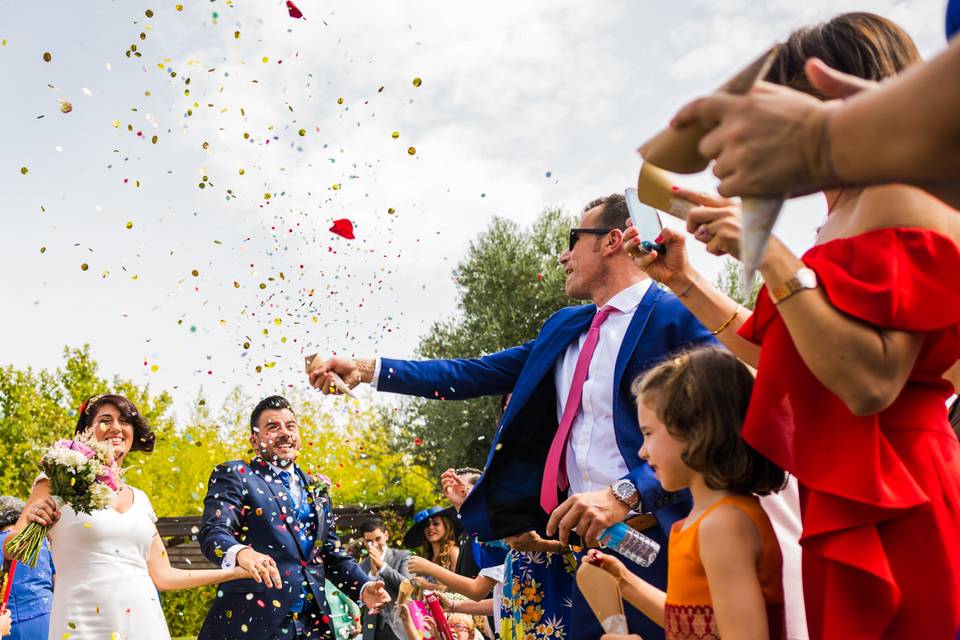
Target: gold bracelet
(726, 324)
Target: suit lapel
(546, 355)
(630, 339)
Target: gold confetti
(24, 170)
(395, 135)
(154, 367)
(47, 57)
(116, 124)
(242, 171)
(154, 139)
(65, 106)
(43, 249)
(391, 211)
(339, 100)
(236, 285)
(302, 132)
(412, 150)
(265, 59)
(129, 225)
(179, 7)
(149, 12)
(194, 273)
(236, 34)
(84, 266)
(417, 82)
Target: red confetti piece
(343, 228)
(293, 10)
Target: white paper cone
(615, 624)
(759, 217)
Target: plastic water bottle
(630, 543)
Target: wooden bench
(180, 533)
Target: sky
(176, 218)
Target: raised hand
(663, 268)
(421, 566)
(455, 489)
(261, 567)
(323, 374)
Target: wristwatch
(804, 278)
(625, 492)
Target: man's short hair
(272, 402)
(615, 212)
(370, 525)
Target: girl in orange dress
(724, 576)
(851, 341)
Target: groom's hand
(260, 566)
(351, 371)
(374, 596)
(588, 514)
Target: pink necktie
(554, 472)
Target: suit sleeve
(456, 379)
(393, 576)
(339, 566)
(222, 512)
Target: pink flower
(109, 479)
(76, 445)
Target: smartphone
(647, 222)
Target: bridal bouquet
(83, 475)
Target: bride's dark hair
(143, 437)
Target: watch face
(807, 278)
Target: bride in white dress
(112, 563)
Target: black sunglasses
(596, 231)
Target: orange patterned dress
(689, 609)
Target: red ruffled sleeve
(855, 470)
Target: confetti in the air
(343, 228)
(294, 12)
(47, 57)
(417, 82)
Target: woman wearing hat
(31, 595)
(436, 530)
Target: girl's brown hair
(447, 543)
(862, 44)
(702, 397)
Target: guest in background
(387, 564)
(31, 595)
(436, 531)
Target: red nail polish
(659, 238)
(674, 188)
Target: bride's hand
(716, 222)
(662, 268)
(44, 512)
(239, 573)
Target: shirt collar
(626, 301)
(292, 470)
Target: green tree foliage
(343, 439)
(509, 283)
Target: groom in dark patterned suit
(276, 521)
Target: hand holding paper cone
(602, 592)
(335, 380)
(676, 149)
(655, 189)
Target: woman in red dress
(851, 342)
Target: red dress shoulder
(871, 484)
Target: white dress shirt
(593, 459)
(230, 557)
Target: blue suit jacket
(246, 504)
(506, 501)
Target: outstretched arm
(641, 594)
(168, 578)
(474, 588)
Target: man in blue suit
(276, 521)
(584, 452)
